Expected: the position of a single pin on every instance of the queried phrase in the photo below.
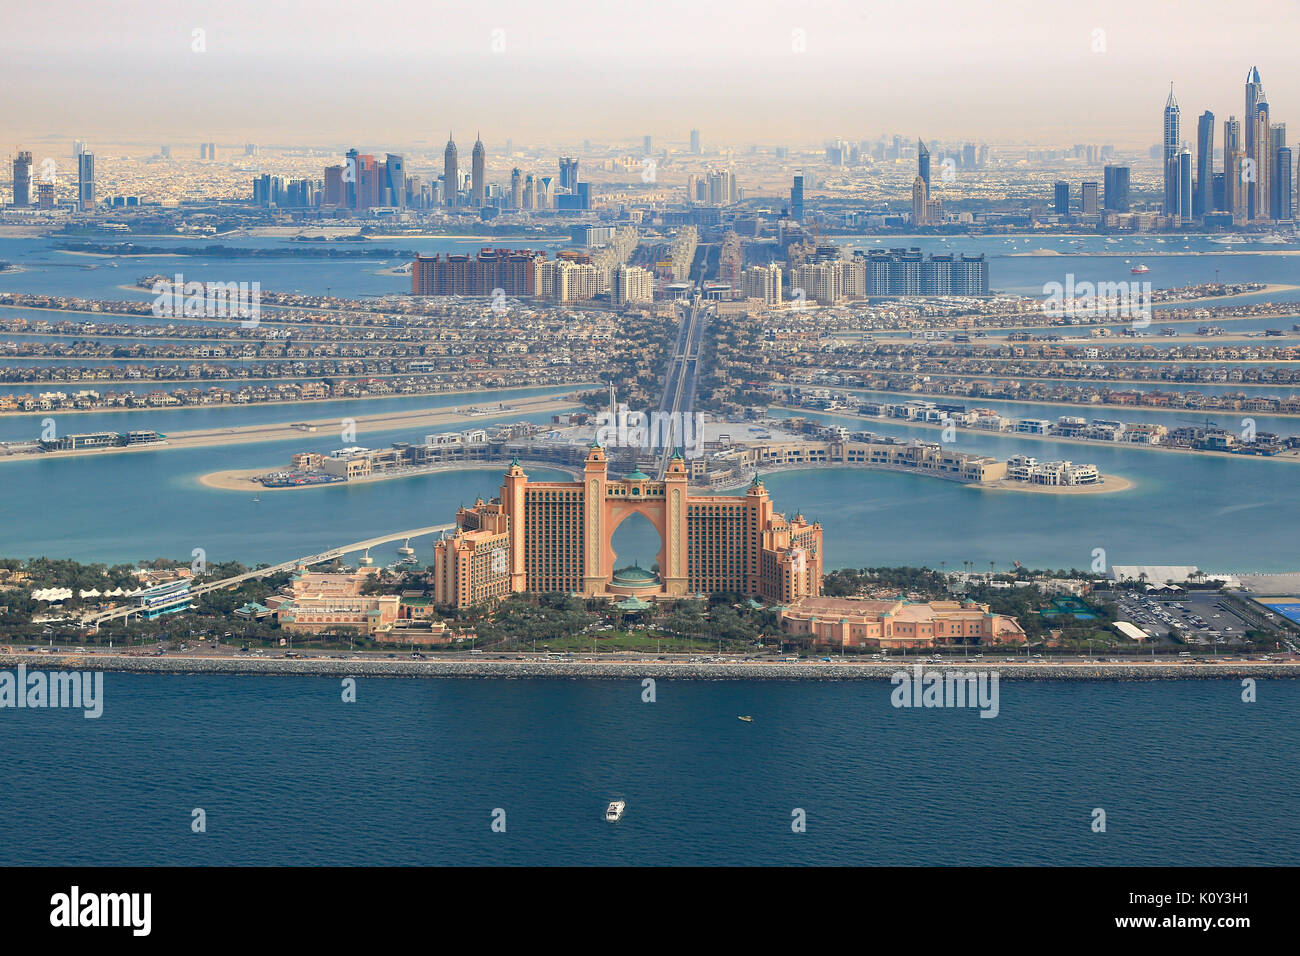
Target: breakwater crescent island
(722, 462)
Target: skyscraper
(1115, 182)
(919, 196)
(695, 142)
(23, 180)
(1171, 147)
(647, 146)
(1234, 158)
(395, 181)
(796, 197)
(1184, 210)
(923, 164)
(1061, 198)
(1254, 93)
(568, 173)
(1261, 205)
(451, 173)
(478, 172)
(86, 181)
(1088, 198)
(516, 189)
(1255, 167)
(1279, 193)
(1201, 201)
(1283, 185)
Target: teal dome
(636, 476)
(634, 577)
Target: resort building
(318, 601)
(856, 622)
(556, 536)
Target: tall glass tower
(478, 173)
(1172, 146)
(451, 173)
(1201, 201)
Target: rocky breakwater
(636, 669)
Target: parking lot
(1195, 617)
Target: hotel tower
(556, 536)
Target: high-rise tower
(23, 180)
(1262, 170)
(1201, 201)
(86, 181)
(1234, 157)
(1254, 169)
(1171, 153)
(923, 163)
(478, 172)
(451, 173)
(919, 195)
(1254, 93)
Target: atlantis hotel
(555, 536)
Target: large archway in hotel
(635, 540)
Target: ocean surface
(411, 773)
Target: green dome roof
(637, 475)
(635, 577)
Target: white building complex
(1024, 468)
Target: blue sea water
(411, 773)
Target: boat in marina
(1140, 269)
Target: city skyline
(261, 73)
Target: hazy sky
(401, 72)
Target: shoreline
(242, 479)
(1156, 409)
(1140, 446)
(297, 401)
(640, 669)
(1108, 483)
(277, 432)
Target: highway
(683, 372)
(125, 612)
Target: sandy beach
(243, 479)
(422, 418)
(1289, 456)
(1108, 484)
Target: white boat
(615, 811)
